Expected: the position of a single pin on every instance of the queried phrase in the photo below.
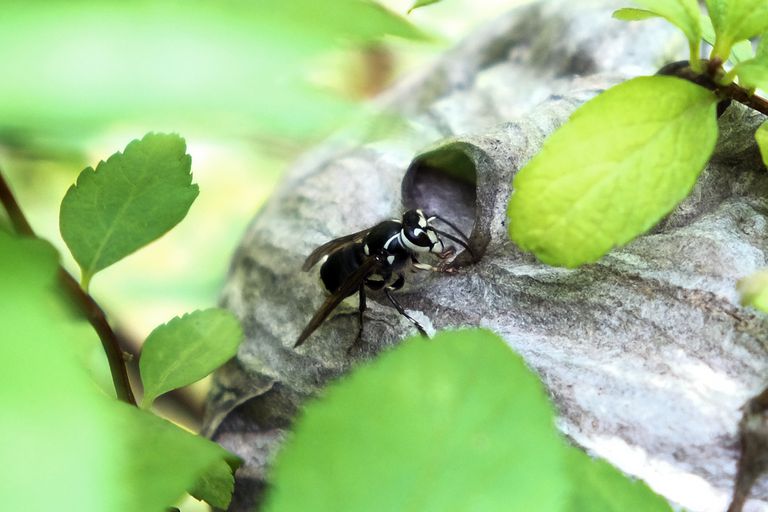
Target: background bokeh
(249, 84)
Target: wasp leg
(431, 268)
(400, 310)
(361, 309)
(360, 312)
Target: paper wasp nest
(646, 353)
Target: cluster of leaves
(100, 453)
(453, 423)
(629, 156)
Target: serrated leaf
(453, 423)
(761, 136)
(740, 51)
(217, 484)
(736, 20)
(186, 349)
(421, 3)
(621, 163)
(754, 290)
(128, 201)
(600, 487)
(631, 14)
(685, 14)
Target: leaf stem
(695, 58)
(744, 97)
(725, 91)
(98, 320)
(85, 302)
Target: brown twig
(743, 96)
(85, 302)
(17, 217)
(753, 456)
(731, 91)
(98, 320)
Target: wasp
(377, 258)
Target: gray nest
(647, 354)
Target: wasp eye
(419, 237)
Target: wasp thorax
(417, 235)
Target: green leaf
(685, 14)
(740, 52)
(621, 163)
(216, 486)
(92, 452)
(736, 20)
(600, 487)
(421, 3)
(753, 73)
(453, 423)
(52, 419)
(161, 460)
(186, 349)
(754, 290)
(761, 136)
(128, 201)
(631, 14)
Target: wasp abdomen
(340, 265)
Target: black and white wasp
(377, 258)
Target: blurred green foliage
(51, 413)
(454, 423)
(88, 451)
(74, 67)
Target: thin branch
(731, 91)
(85, 302)
(17, 217)
(753, 441)
(743, 96)
(98, 320)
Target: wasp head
(418, 236)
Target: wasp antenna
(452, 226)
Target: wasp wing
(329, 247)
(347, 288)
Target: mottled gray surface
(646, 353)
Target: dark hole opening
(443, 182)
